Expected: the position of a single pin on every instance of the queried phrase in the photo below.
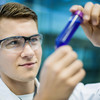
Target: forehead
(17, 27)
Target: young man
(20, 52)
(20, 58)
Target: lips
(28, 65)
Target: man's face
(10, 62)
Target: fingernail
(73, 8)
(94, 22)
(86, 17)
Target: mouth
(28, 65)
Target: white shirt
(7, 94)
(26, 97)
(86, 92)
(81, 92)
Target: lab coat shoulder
(86, 92)
(5, 93)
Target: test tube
(74, 21)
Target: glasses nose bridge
(26, 40)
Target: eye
(12, 44)
(15, 42)
(34, 39)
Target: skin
(91, 24)
(11, 73)
(62, 71)
(60, 74)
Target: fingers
(58, 55)
(72, 74)
(72, 69)
(87, 11)
(75, 8)
(91, 12)
(95, 14)
(67, 60)
(77, 77)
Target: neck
(20, 88)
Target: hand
(91, 24)
(60, 74)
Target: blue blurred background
(52, 17)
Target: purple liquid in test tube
(74, 21)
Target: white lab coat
(6, 94)
(81, 92)
(86, 92)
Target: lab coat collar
(7, 94)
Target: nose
(27, 52)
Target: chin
(29, 78)
(26, 78)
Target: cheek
(39, 54)
(7, 60)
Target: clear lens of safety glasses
(17, 43)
